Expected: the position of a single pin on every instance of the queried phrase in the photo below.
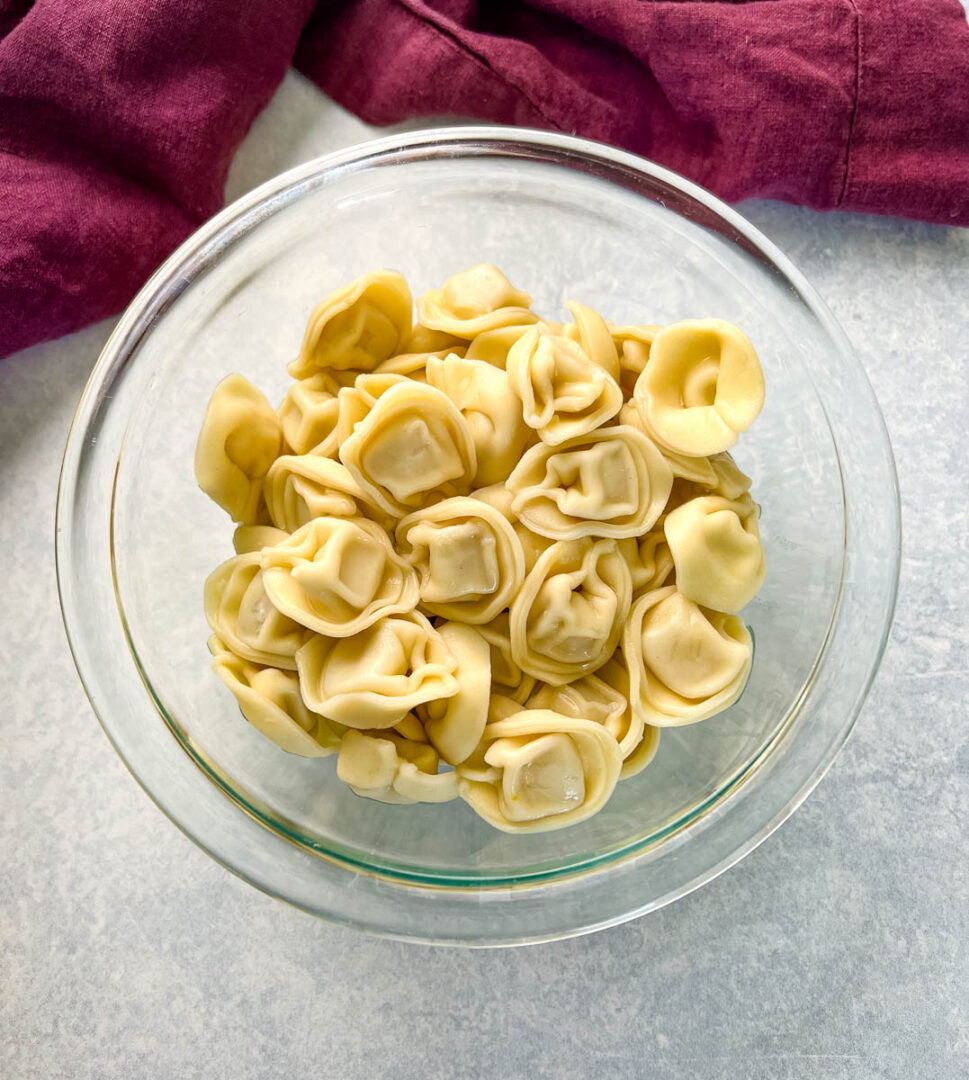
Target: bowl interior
(560, 234)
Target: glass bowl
(564, 218)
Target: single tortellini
(300, 488)
(591, 331)
(550, 771)
(474, 301)
(649, 559)
(567, 619)
(493, 346)
(413, 448)
(638, 741)
(702, 386)
(715, 546)
(467, 555)
(337, 576)
(612, 482)
(248, 538)
(532, 544)
(697, 470)
(455, 725)
(492, 409)
(375, 678)
(357, 326)
(240, 439)
(242, 615)
(685, 663)
(270, 700)
(507, 677)
(564, 393)
(391, 769)
(309, 413)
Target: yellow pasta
(484, 555)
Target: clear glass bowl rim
(459, 916)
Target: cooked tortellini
(300, 488)
(549, 770)
(356, 327)
(477, 299)
(702, 386)
(391, 769)
(637, 740)
(412, 448)
(493, 346)
(532, 544)
(455, 725)
(492, 409)
(507, 678)
(337, 576)
(468, 556)
(685, 663)
(270, 700)
(240, 439)
(568, 617)
(715, 547)
(697, 470)
(309, 414)
(611, 482)
(649, 559)
(242, 615)
(414, 365)
(564, 392)
(248, 538)
(484, 555)
(592, 332)
(356, 400)
(376, 677)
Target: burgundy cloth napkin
(118, 118)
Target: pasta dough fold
(455, 725)
(309, 413)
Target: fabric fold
(118, 118)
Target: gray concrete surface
(836, 950)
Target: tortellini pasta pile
(485, 556)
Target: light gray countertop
(838, 949)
